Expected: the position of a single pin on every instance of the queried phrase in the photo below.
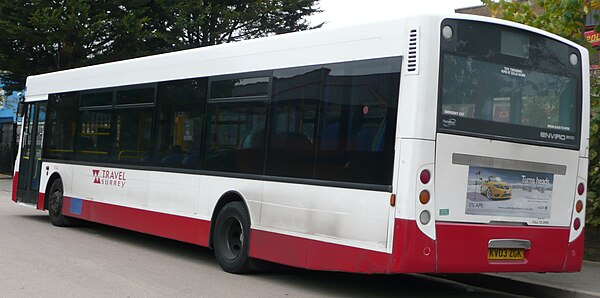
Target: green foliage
(40, 36)
(565, 18)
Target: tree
(567, 19)
(40, 36)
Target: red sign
(593, 38)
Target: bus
(433, 143)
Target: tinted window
(235, 137)
(517, 85)
(135, 96)
(241, 87)
(133, 134)
(96, 99)
(60, 125)
(357, 121)
(293, 122)
(94, 135)
(181, 114)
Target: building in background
(8, 133)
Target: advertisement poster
(509, 193)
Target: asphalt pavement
(579, 284)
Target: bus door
(31, 153)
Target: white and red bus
(435, 143)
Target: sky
(346, 12)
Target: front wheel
(55, 203)
(232, 235)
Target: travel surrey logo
(109, 178)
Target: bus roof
(312, 47)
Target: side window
(61, 121)
(132, 140)
(134, 113)
(181, 114)
(293, 122)
(356, 127)
(115, 125)
(93, 138)
(235, 133)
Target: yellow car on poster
(495, 188)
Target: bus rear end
(511, 150)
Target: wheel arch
(226, 198)
(51, 180)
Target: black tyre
(55, 203)
(231, 238)
(488, 194)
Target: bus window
(357, 121)
(181, 114)
(294, 107)
(60, 125)
(235, 137)
(93, 141)
(133, 138)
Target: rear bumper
(462, 248)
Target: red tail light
(425, 176)
(580, 189)
(577, 224)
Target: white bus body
(338, 226)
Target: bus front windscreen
(503, 83)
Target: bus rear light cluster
(579, 206)
(424, 197)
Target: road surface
(40, 260)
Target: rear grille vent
(413, 51)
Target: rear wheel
(232, 235)
(488, 193)
(55, 203)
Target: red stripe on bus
(462, 248)
(315, 255)
(413, 252)
(40, 202)
(185, 229)
(575, 254)
(14, 186)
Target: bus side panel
(15, 182)
(41, 201)
(352, 217)
(170, 226)
(315, 255)
(575, 254)
(463, 248)
(414, 251)
(157, 203)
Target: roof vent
(413, 52)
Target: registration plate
(506, 253)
